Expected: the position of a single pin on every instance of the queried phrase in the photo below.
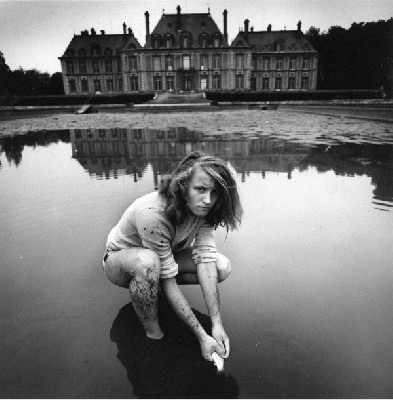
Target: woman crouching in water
(166, 238)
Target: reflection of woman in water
(167, 369)
(166, 238)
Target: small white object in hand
(218, 362)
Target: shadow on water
(169, 368)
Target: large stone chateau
(188, 52)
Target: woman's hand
(208, 346)
(222, 339)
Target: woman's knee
(145, 264)
(223, 267)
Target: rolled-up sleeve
(155, 232)
(204, 249)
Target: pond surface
(308, 306)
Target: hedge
(233, 96)
(78, 100)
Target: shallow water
(308, 306)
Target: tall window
(239, 81)
(203, 83)
(291, 82)
(216, 81)
(169, 83)
(306, 62)
(96, 67)
(132, 63)
(84, 85)
(279, 63)
(97, 84)
(108, 66)
(239, 61)
(265, 83)
(204, 62)
(157, 83)
(265, 63)
(82, 67)
(254, 63)
(157, 63)
(70, 67)
(253, 83)
(120, 83)
(109, 84)
(134, 83)
(292, 63)
(169, 63)
(216, 61)
(278, 85)
(72, 85)
(304, 84)
(186, 62)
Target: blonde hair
(227, 210)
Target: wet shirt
(145, 224)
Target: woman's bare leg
(138, 269)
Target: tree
(4, 79)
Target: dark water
(308, 307)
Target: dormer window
(82, 52)
(168, 41)
(204, 40)
(155, 41)
(216, 39)
(185, 40)
(108, 51)
(69, 52)
(95, 49)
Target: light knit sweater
(145, 224)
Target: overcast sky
(33, 34)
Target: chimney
(269, 28)
(102, 32)
(246, 22)
(124, 29)
(225, 13)
(147, 25)
(178, 25)
(130, 31)
(299, 26)
(93, 32)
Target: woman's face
(202, 193)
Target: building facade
(188, 52)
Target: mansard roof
(179, 24)
(107, 44)
(273, 41)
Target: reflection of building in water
(110, 152)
